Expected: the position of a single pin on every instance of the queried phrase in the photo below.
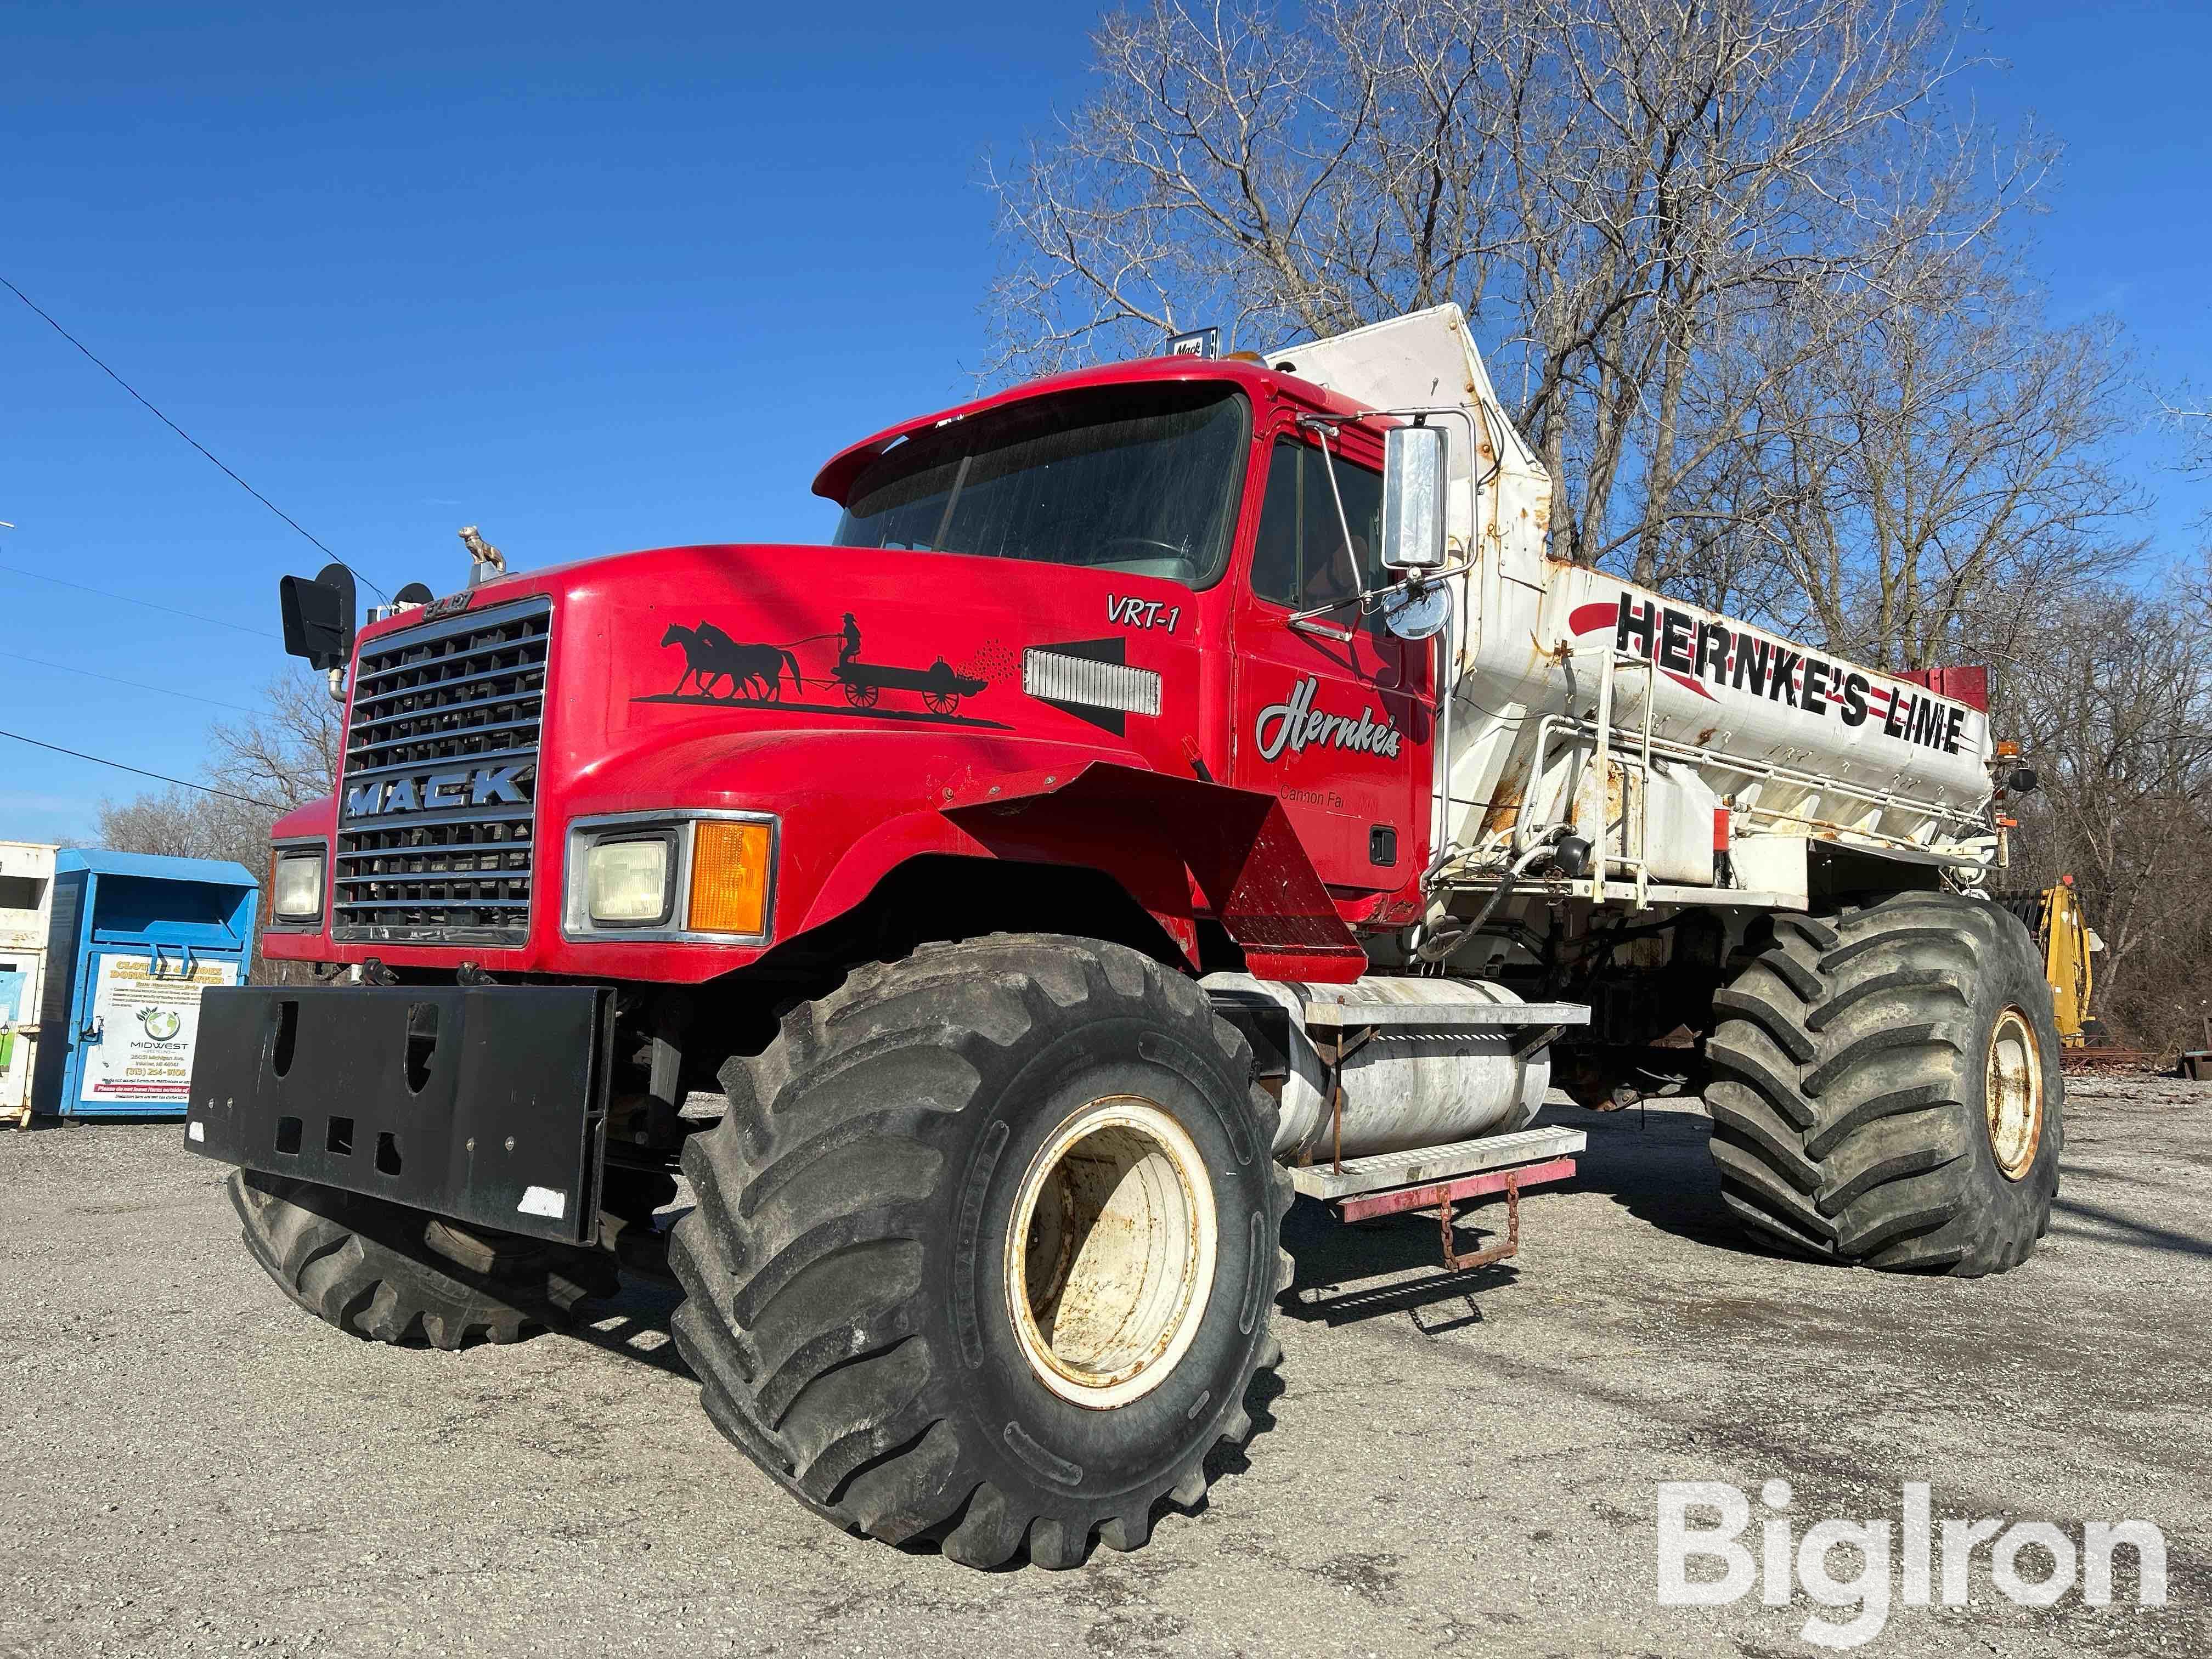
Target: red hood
(858, 694)
(663, 650)
(864, 697)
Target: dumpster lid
(153, 866)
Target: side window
(1275, 555)
(1300, 558)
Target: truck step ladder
(1440, 1177)
(1361, 1177)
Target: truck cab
(1145, 570)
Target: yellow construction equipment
(2062, 933)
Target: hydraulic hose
(1435, 945)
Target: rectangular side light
(729, 877)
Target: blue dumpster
(133, 942)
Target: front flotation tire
(861, 1242)
(386, 1273)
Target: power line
(159, 777)
(181, 432)
(136, 685)
(40, 575)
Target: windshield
(1138, 479)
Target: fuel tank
(1405, 1089)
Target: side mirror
(318, 616)
(1413, 483)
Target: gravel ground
(189, 1464)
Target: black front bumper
(485, 1103)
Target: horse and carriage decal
(726, 672)
(710, 656)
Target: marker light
(729, 877)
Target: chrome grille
(437, 801)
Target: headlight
(298, 886)
(626, 882)
(705, 876)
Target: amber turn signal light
(729, 877)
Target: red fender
(1242, 855)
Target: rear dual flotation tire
(1888, 1089)
(386, 1273)
(986, 1247)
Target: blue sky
(600, 277)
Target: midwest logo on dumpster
(1691, 649)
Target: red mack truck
(1177, 786)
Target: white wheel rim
(2013, 1090)
(1109, 1253)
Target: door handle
(161, 954)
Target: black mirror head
(318, 616)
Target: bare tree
(186, 824)
(1616, 188)
(281, 757)
(1935, 476)
(289, 752)
(2115, 705)
(2191, 422)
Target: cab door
(1331, 713)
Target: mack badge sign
(483, 785)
